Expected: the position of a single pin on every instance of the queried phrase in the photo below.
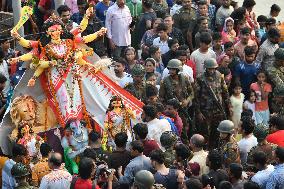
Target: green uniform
(185, 20)
(230, 151)
(206, 103)
(170, 156)
(138, 91)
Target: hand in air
(31, 83)
(15, 34)
(13, 61)
(89, 11)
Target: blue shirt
(77, 17)
(137, 164)
(101, 10)
(276, 179)
(247, 74)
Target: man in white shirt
(197, 143)
(155, 126)
(264, 170)
(122, 77)
(248, 140)
(58, 178)
(118, 22)
(203, 53)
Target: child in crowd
(162, 40)
(249, 104)
(248, 140)
(223, 62)
(203, 53)
(237, 100)
(228, 33)
(274, 12)
(202, 22)
(262, 90)
(217, 44)
(230, 52)
(262, 29)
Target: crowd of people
(210, 75)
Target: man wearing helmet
(137, 87)
(179, 87)
(168, 141)
(228, 146)
(145, 180)
(212, 104)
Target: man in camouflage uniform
(185, 20)
(145, 180)
(278, 101)
(179, 87)
(212, 103)
(228, 146)
(137, 87)
(276, 72)
(260, 132)
(168, 140)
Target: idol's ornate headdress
(54, 19)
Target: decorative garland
(53, 94)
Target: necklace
(77, 138)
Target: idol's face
(55, 31)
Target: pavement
(262, 7)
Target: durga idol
(60, 60)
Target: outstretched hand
(15, 34)
(31, 83)
(13, 61)
(102, 32)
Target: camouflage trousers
(208, 128)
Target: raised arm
(23, 58)
(84, 23)
(22, 41)
(92, 37)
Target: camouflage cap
(278, 91)
(168, 139)
(19, 170)
(226, 126)
(260, 132)
(138, 70)
(210, 63)
(175, 64)
(144, 179)
(279, 54)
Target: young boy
(217, 43)
(274, 12)
(262, 29)
(202, 22)
(245, 40)
(245, 72)
(230, 51)
(203, 10)
(204, 52)
(171, 111)
(162, 40)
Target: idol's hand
(15, 34)
(13, 60)
(31, 82)
(101, 32)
